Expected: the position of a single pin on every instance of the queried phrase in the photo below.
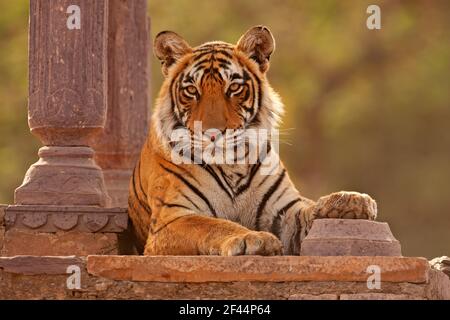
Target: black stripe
(175, 205)
(288, 206)
(254, 102)
(172, 205)
(186, 172)
(201, 62)
(224, 61)
(276, 226)
(224, 66)
(213, 46)
(140, 180)
(276, 223)
(225, 176)
(173, 98)
(190, 200)
(236, 76)
(213, 52)
(267, 196)
(193, 188)
(268, 176)
(253, 172)
(245, 98)
(211, 171)
(281, 194)
(142, 203)
(165, 225)
(134, 231)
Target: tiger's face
(218, 86)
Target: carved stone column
(67, 103)
(62, 207)
(119, 145)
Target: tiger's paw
(346, 205)
(251, 243)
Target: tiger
(181, 208)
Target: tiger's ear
(258, 43)
(169, 47)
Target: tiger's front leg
(189, 233)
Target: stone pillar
(62, 207)
(118, 146)
(67, 103)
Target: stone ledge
(255, 268)
(33, 277)
(33, 265)
(2, 214)
(378, 296)
(25, 242)
(43, 218)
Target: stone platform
(203, 277)
(61, 230)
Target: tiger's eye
(234, 87)
(191, 89)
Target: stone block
(306, 296)
(2, 214)
(441, 264)
(2, 226)
(32, 265)
(349, 237)
(378, 296)
(2, 238)
(256, 268)
(24, 242)
(439, 287)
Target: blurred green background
(367, 110)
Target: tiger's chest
(233, 192)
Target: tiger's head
(221, 85)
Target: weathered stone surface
(22, 242)
(350, 237)
(42, 218)
(117, 183)
(63, 176)
(45, 277)
(256, 268)
(441, 264)
(67, 104)
(306, 296)
(30, 277)
(2, 226)
(2, 238)
(32, 265)
(439, 287)
(2, 214)
(379, 296)
(118, 147)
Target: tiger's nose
(213, 134)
